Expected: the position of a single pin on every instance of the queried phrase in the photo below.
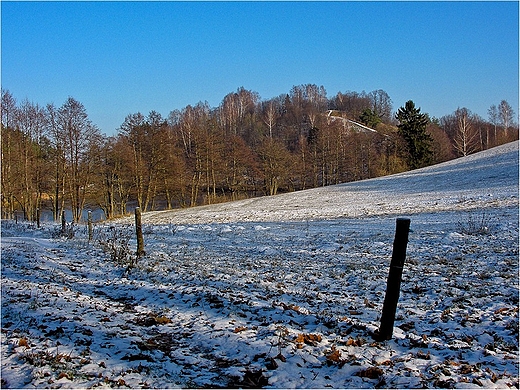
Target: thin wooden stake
(89, 221)
(38, 218)
(139, 232)
(63, 222)
(393, 284)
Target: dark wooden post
(38, 218)
(139, 233)
(393, 284)
(63, 222)
(89, 222)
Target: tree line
(55, 158)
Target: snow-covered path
(279, 292)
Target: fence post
(63, 222)
(38, 218)
(393, 284)
(139, 233)
(89, 222)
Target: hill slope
(484, 179)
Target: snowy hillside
(279, 291)
(480, 180)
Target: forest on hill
(55, 158)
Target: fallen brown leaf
(310, 339)
(239, 329)
(23, 342)
(354, 342)
(334, 356)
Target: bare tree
(144, 135)
(276, 164)
(466, 139)
(352, 103)
(24, 156)
(8, 109)
(121, 163)
(494, 118)
(316, 103)
(108, 174)
(381, 105)
(190, 125)
(247, 111)
(229, 113)
(57, 180)
(270, 115)
(505, 114)
(79, 136)
(7, 181)
(236, 111)
(30, 122)
(173, 173)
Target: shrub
(476, 225)
(116, 243)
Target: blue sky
(119, 58)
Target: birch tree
(466, 140)
(270, 115)
(505, 115)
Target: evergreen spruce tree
(412, 127)
(369, 118)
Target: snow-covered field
(279, 292)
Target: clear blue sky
(119, 58)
